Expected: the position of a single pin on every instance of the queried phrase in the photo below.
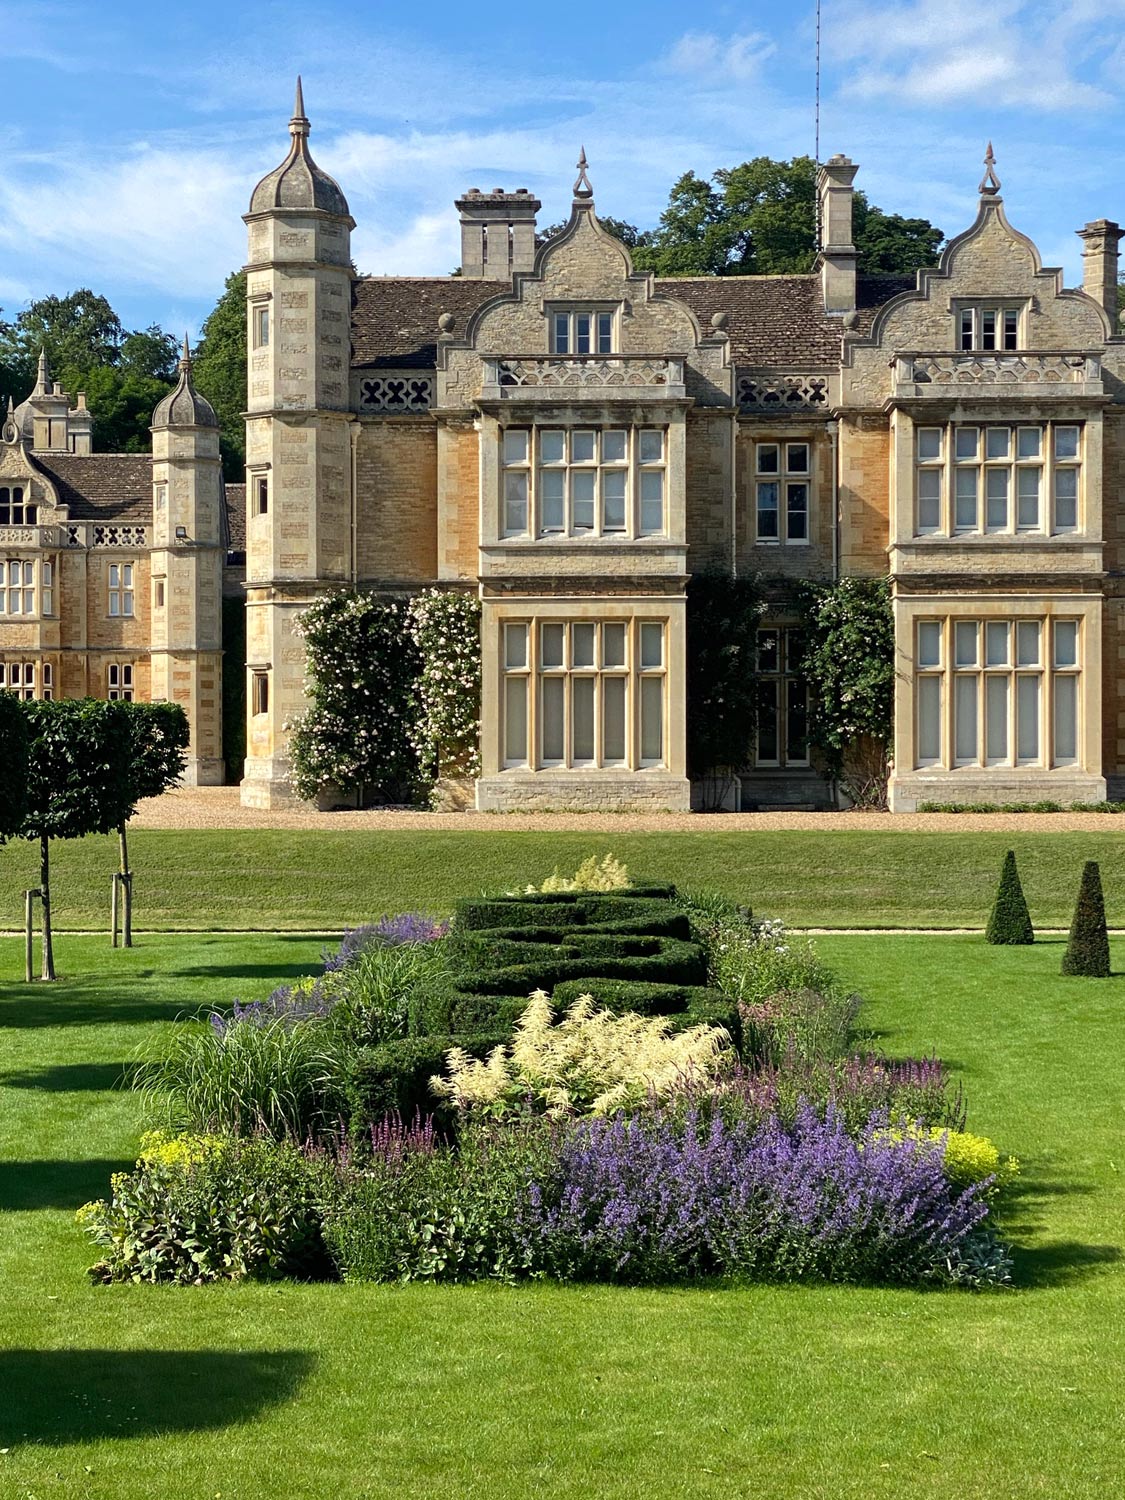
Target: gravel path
(219, 807)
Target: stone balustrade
(768, 391)
(925, 374)
(525, 376)
(396, 392)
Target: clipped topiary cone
(1087, 949)
(1010, 921)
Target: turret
(187, 569)
(298, 447)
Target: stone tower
(187, 570)
(298, 443)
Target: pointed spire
(583, 191)
(989, 183)
(185, 357)
(299, 124)
(43, 378)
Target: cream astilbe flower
(589, 1061)
(608, 874)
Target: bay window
(584, 694)
(997, 692)
(997, 478)
(27, 587)
(584, 481)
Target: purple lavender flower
(653, 1199)
(389, 931)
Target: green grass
(272, 880)
(326, 1391)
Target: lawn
(294, 1391)
(273, 880)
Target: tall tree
(13, 765)
(759, 218)
(124, 374)
(220, 371)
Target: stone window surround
(912, 609)
(1035, 411)
(120, 581)
(783, 477)
(666, 609)
(977, 307)
(28, 679)
(553, 308)
(120, 680)
(35, 587)
(1045, 462)
(535, 466)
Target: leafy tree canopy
(158, 736)
(78, 778)
(220, 370)
(13, 765)
(123, 373)
(759, 218)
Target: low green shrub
(394, 1078)
(200, 1209)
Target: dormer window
(14, 509)
(582, 331)
(988, 327)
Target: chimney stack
(1100, 240)
(497, 232)
(837, 259)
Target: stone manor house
(573, 440)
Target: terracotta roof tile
(773, 321)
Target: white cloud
(707, 56)
(942, 53)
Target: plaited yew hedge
(630, 949)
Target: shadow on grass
(74, 1003)
(1061, 1263)
(58, 1396)
(71, 1078)
(249, 971)
(55, 1184)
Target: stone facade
(572, 440)
(113, 564)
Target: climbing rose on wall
(356, 735)
(445, 628)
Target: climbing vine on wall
(356, 736)
(394, 689)
(849, 666)
(446, 734)
(722, 633)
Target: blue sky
(133, 134)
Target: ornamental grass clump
(254, 1074)
(1009, 920)
(591, 1061)
(1087, 948)
(655, 1199)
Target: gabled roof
(773, 321)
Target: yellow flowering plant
(607, 874)
(969, 1158)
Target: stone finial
(989, 183)
(719, 321)
(185, 357)
(446, 322)
(299, 124)
(43, 376)
(583, 189)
